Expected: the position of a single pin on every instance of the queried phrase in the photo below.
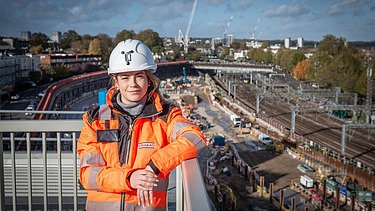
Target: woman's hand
(144, 180)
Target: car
(28, 109)
(305, 168)
(41, 94)
(265, 139)
(15, 97)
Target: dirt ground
(278, 169)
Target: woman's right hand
(144, 181)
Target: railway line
(315, 125)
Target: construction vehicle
(275, 147)
(245, 127)
(236, 120)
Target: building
(299, 42)
(287, 42)
(56, 37)
(215, 41)
(16, 68)
(72, 61)
(25, 35)
(254, 44)
(230, 39)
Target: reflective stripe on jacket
(111, 146)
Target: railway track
(318, 126)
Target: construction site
(248, 165)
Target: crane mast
(184, 40)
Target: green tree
(123, 35)
(68, 37)
(150, 38)
(265, 44)
(332, 45)
(224, 52)
(345, 71)
(39, 39)
(294, 57)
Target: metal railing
(39, 170)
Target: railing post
(179, 189)
(2, 191)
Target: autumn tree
(300, 70)
(94, 47)
(105, 46)
(86, 40)
(36, 49)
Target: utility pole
(369, 90)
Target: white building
(287, 42)
(215, 41)
(15, 68)
(230, 39)
(56, 37)
(299, 42)
(254, 44)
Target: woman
(129, 146)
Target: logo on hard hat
(128, 56)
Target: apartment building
(72, 61)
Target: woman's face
(132, 85)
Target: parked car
(305, 168)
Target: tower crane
(185, 39)
(252, 37)
(225, 30)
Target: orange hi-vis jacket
(112, 146)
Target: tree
(300, 70)
(149, 38)
(295, 57)
(332, 45)
(94, 47)
(76, 46)
(39, 39)
(224, 52)
(105, 46)
(68, 37)
(86, 40)
(36, 49)
(265, 44)
(123, 35)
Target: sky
(353, 20)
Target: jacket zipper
(128, 140)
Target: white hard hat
(131, 55)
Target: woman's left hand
(144, 181)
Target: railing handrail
(187, 195)
(39, 112)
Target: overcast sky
(262, 19)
